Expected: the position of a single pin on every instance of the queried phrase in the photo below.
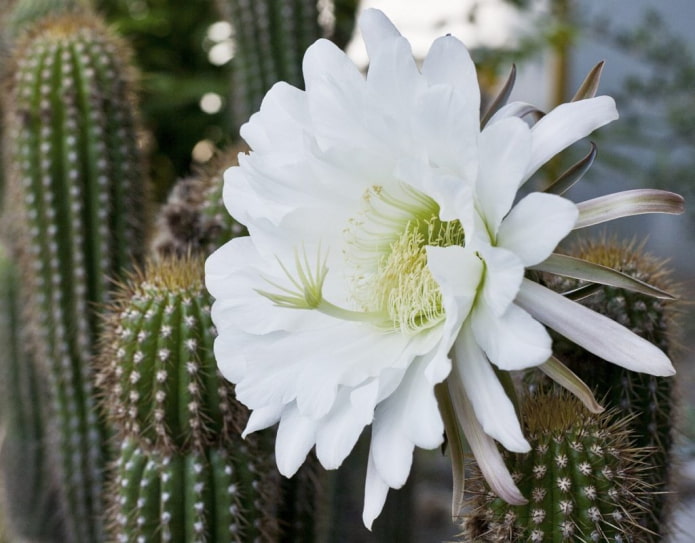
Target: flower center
(392, 287)
(387, 251)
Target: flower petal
(377, 30)
(409, 417)
(584, 270)
(503, 274)
(513, 341)
(566, 124)
(446, 127)
(263, 417)
(341, 428)
(493, 409)
(375, 491)
(448, 62)
(596, 333)
(484, 448)
(626, 204)
(566, 378)
(505, 148)
(536, 225)
(295, 438)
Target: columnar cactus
(582, 479)
(28, 495)
(649, 401)
(271, 37)
(76, 191)
(204, 495)
(184, 473)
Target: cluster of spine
(194, 218)
(649, 401)
(583, 479)
(76, 193)
(271, 37)
(184, 473)
(28, 498)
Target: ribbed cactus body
(77, 186)
(581, 479)
(160, 376)
(210, 495)
(29, 498)
(184, 473)
(649, 400)
(271, 37)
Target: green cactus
(649, 401)
(76, 192)
(29, 497)
(582, 477)
(156, 364)
(271, 37)
(211, 494)
(184, 473)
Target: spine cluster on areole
(77, 185)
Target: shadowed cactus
(583, 479)
(194, 219)
(28, 498)
(76, 194)
(649, 401)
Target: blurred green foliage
(171, 44)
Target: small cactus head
(156, 368)
(194, 218)
(582, 477)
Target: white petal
(596, 333)
(458, 273)
(375, 491)
(627, 204)
(513, 109)
(536, 225)
(409, 417)
(493, 409)
(505, 148)
(448, 62)
(377, 30)
(485, 450)
(566, 124)
(280, 123)
(514, 341)
(340, 430)
(324, 60)
(447, 130)
(263, 417)
(503, 274)
(296, 435)
(393, 77)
